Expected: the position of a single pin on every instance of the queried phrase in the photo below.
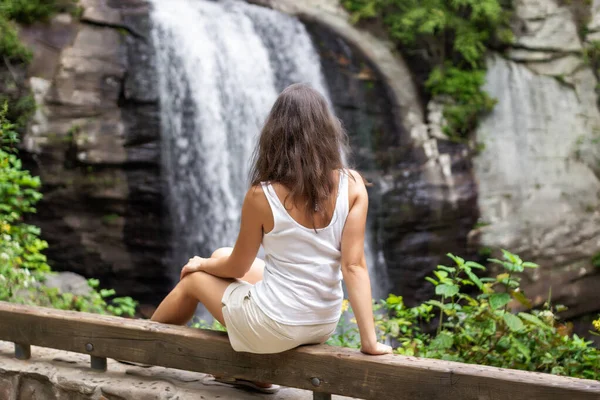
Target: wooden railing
(323, 369)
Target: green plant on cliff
(11, 48)
(29, 11)
(23, 266)
(26, 12)
(452, 37)
(476, 324)
(596, 325)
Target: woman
(309, 213)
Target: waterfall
(221, 66)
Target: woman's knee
(222, 252)
(191, 283)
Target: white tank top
(302, 282)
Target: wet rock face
(424, 218)
(423, 198)
(538, 174)
(95, 142)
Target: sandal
(135, 364)
(245, 384)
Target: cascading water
(220, 66)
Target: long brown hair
(300, 146)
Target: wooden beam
(338, 371)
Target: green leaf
(502, 277)
(447, 269)
(107, 292)
(517, 267)
(430, 279)
(437, 304)
(513, 322)
(530, 265)
(443, 341)
(458, 260)
(520, 297)
(393, 299)
(523, 349)
(441, 274)
(447, 290)
(469, 299)
(535, 320)
(454, 306)
(499, 300)
(513, 258)
(474, 278)
(473, 264)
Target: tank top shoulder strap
(342, 203)
(276, 206)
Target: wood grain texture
(340, 371)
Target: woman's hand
(193, 265)
(376, 349)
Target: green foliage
(202, 324)
(475, 324)
(596, 260)
(466, 101)
(596, 325)
(20, 111)
(23, 266)
(452, 36)
(10, 46)
(29, 11)
(26, 12)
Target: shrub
(10, 46)
(29, 11)
(475, 324)
(26, 12)
(453, 38)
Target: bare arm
(354, 267)
(246, 247)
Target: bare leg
(254, 275)
(179, 306)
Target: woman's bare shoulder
(356, 186)
(256, 197)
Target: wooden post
(319, 395)
(22, 351)
(98, 363)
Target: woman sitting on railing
(309, 213)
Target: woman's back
(309, 213)
(302, 277)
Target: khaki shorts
(252, 331)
